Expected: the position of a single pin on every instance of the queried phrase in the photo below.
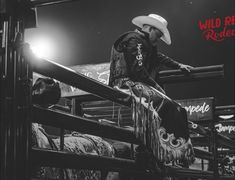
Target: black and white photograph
(117, 90)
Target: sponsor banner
(226, 128)
(199, 109)
(99, 72)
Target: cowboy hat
(155, 21)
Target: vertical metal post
(202, 164)
(15, 104)
(214, 143)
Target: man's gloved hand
(185, 68)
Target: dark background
(84, 31)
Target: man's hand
(185, 68)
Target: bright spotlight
(42, 48)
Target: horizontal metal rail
(225, 141)
(225, 178)
(43, 157)
(225, 110)
(214, 68)
(226, 152)
(109, 116)
(226, 121)
(83, 125)
(203, 154)
(38, 3)
(106, 110)
(61, 108)
(75, 79)
(200, 141)
(227, 107)
(174, 76)
(198, 73)
(184, 172)
(220, 139)
(196, 128)
(191, 77)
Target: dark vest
(118, 65)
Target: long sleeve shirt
(134, 57)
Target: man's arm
(167, 61)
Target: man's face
(154, 35)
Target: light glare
(42, 48)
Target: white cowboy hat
(155, 21)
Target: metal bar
(220, 139)
(62, 130)
(106, 111)
(214, 143)
(110, 116)
(69, 76)
(199, 129)
(39, 3)
(225, 107)
(193, 71)
(225, 110)
(202, 164)
(192, 77)
(43, 157)
(61, 108)
(203, 154)
(86, 97)
(174, 76)
(98, 103)
(15, 121)
(226, 121)
(200, 141)
(225, 178)
(225, 141)
(226, 152)
(184, 172)
(83, 125)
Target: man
(160, 123)
(143, 60)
